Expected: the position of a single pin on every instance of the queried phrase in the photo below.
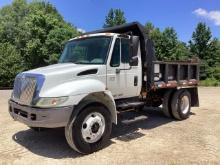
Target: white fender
(78, 90)
(73, 88)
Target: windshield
(91, 50)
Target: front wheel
(91, 129)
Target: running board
(129, 105)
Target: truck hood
(57, 74)
(62, 68)
(64, 72)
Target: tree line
(32, 34)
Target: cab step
(129, 105)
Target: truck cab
(98, 75)
(107, 57)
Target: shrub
(10, 65)
(210, 82)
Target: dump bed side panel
(174, 74)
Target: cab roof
(93, 35)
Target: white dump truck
(100, 74)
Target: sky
(183, 15)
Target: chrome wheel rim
(93, 127)
(184, 106)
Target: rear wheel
(91, 129)
(181, 104)
(167, 104)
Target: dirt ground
(140, 138)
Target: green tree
(213, 58)
(172, 48)
(114, 17)
(36, 30)
(200, 42)
(149, 29)
(167, 45)
(10, 65)
(207, 49)
(218, 53)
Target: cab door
(132, 74)
(115, 80)
(122, 79)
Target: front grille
(24, 88)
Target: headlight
(51, 101)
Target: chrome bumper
(40, 117)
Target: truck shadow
(52, 143)
(132, 121)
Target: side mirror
(133, 61)
(134, 45)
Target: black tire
(167, 104)
(156, 104)
(74, 135)
(177, 99)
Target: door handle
(117, 71)
(135, 80)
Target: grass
(210, 82)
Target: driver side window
(115, 60)
(125, 50)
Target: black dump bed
(160, 74)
